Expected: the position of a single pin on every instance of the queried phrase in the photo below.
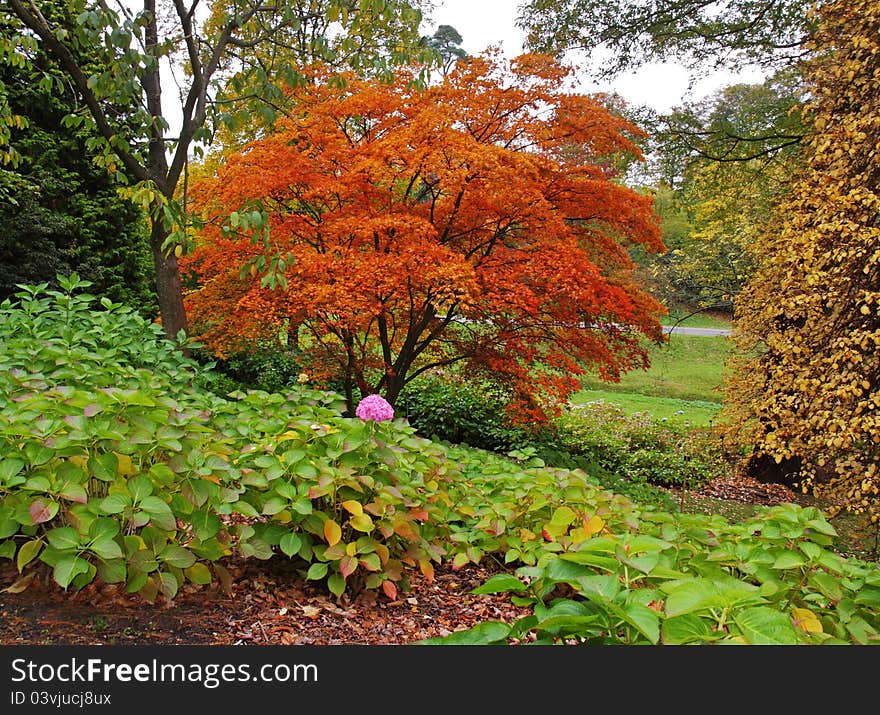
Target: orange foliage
(474, 221)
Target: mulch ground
(269, 604)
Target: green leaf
(274, 505)
(487, 633)
(27, 553)
(68, 568)
(63, 538)
(563, 516)
(822, 526)
(112, 571)
(290, 544)
(561, 570)
(361, 522)
(177, 556)
(868, 597)
(113, 504)
(199, 574)
(764, 626)
(143, 561)
(317, 571)
(9, 468)
(140, 487)
(168, 584)
(8, 527)
(302, 506)
(568, 625)
(685, 630)
(102, 528)
(828, 585)
(703, 594)
(599, 588)
(160, 513)
(336, 584)
(789, 560)
(106, 548)
(646, 621)
(500, 583)
(205, 524)
(103, 466)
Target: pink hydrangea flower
(375, 408)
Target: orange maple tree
(391, 230)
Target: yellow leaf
(579, 535)
(362, 522)
(351, 549)
(353, 507)
(593, 525)
(427, 569)
(332, 532)
(126, 467)
(806, 620)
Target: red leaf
(347, 566)
(390, 589)
(40, 511)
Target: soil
(268, 603)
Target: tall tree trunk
(168, 285)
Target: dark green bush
(265, 368)
(463, 413)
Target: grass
(684, 317)
(688, 367)
(697, 413)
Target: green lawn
(686, 375)
(688, 367)
(694, 412)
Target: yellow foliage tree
(806, 386)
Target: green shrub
(462, 413)
(631, 454)
(639, 449)
(116, 462)
(266, 368)
(692, 580)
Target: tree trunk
(168, 285)
(394, 386)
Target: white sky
(491, 22)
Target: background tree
(475, 222)
(446, 42)
(730, 159)
(769, 33)
(59, 213)
(721, 157)
(236, 38)
(808, 385)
